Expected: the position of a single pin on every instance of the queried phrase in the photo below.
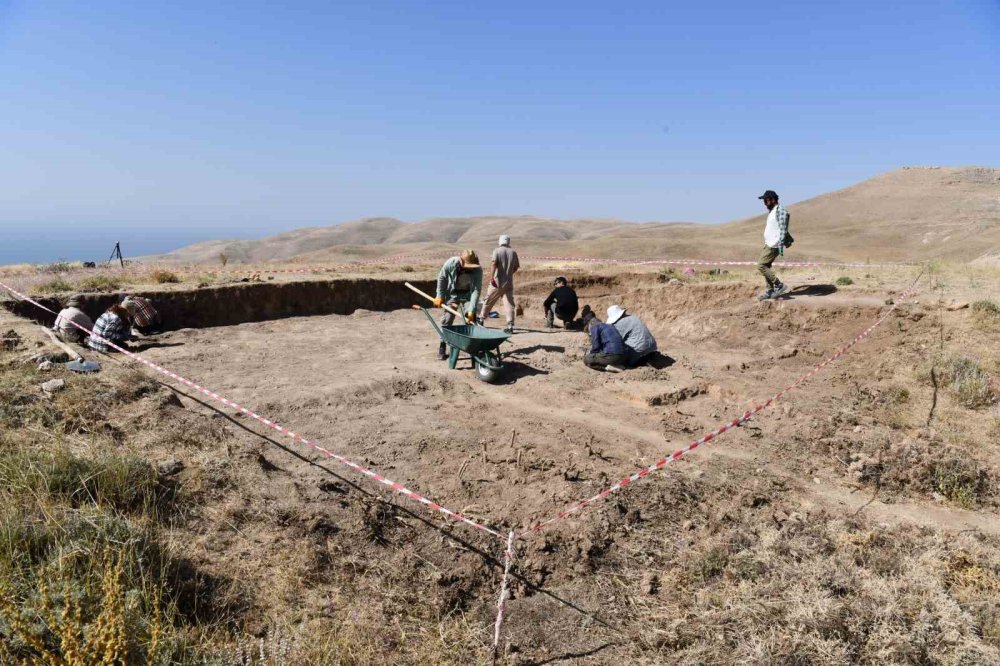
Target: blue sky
(163, 123)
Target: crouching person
(639, 342)
(145, 319)
(561, 303)
(607, 351)
(69, 319)
(112, 326)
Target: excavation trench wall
(240, 303)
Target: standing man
(775, 240)
(502, 268)
(562, 303)
(459, 282)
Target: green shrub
(99, 283)
(844, 281)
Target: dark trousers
(599, 361)
(565, 317)
(155, 326)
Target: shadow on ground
(813, 290)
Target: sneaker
(779, 289)
(767, 295)
(509, 328)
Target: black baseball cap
(770, 194)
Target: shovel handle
(431, 299)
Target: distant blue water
(97, 247)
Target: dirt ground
(551, 432)
(788, 540)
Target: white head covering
(615, 312)
(504, 240)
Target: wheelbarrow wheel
(485, 374)
(488, 369)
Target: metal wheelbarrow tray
(479, 342)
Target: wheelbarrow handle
(431, 298)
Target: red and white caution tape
(398, 487)
(508, 556)
(743, 418)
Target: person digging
(776, 239)
(458, 284)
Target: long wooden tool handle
(73, 354)
(431, 298)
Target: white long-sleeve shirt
(776, 227)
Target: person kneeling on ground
(607, 350)
(459, 282)
(639, 342)
(69, 315)
(562, 303)
(112, 326)
(145, 319)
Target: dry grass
(165, 277)
(970, 383)
(756, 580)
(55, 285)
(99, 283)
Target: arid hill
(909, 214)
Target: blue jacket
(604, 339)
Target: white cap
(615, 312)
(504, 240)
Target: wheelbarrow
(479, 342)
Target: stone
(45, 366)
(169, 467)
(53, 385)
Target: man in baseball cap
(776, 238)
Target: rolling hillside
(908, 214)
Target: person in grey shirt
(502, 268)
(70, 315)
(639, 342)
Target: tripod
(117, 252)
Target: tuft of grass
(60, 266)
(52, 286)
(165, 277)
(99, 283)
(960, 480)
(844, 281)
(971, 383)
(986, 308)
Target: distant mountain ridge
(908, 214)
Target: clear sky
(162, 123)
